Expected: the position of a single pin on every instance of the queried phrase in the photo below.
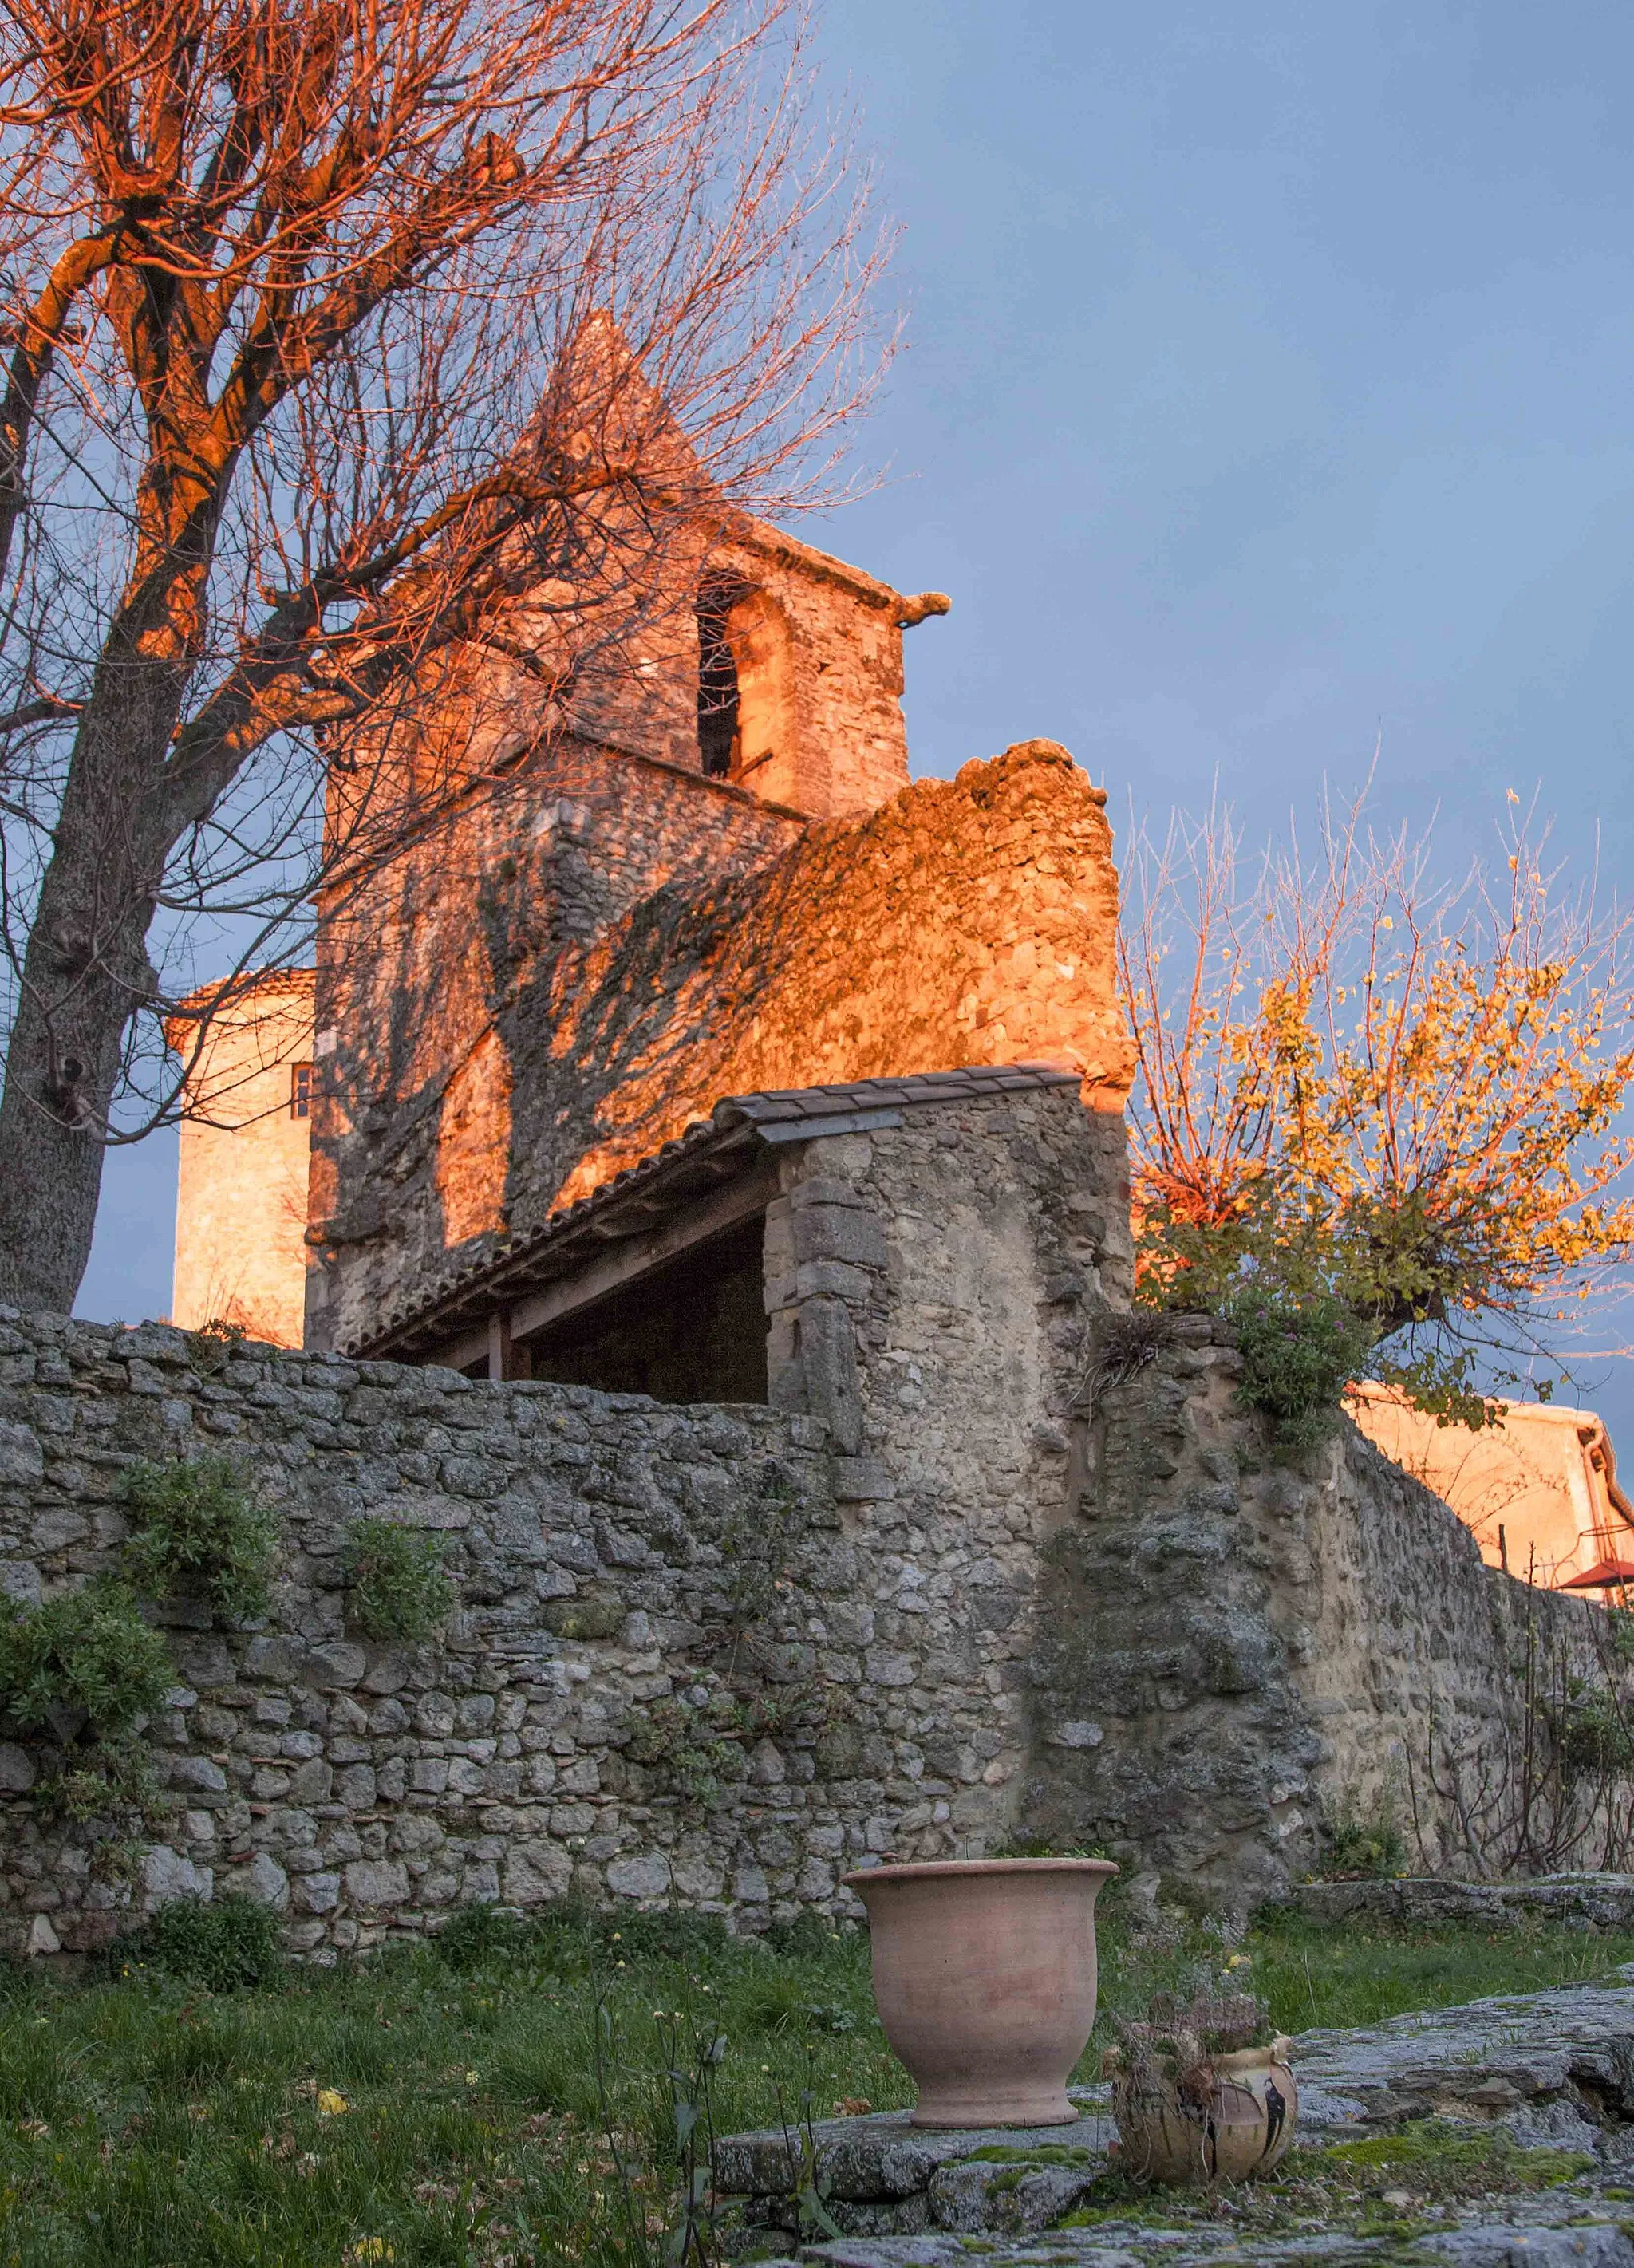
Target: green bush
(199, 1534)
(87, 1650)
(398, 1585)
(1299, 1355)
(1353, 1845)
(228, 1946)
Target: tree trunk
(85, 973)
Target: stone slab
(1500, 2058)
(1557, 2068)
(881, 2157)
(1580, 1901)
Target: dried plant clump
(1171, 2052)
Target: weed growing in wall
(198, 1533)
(83, 1666)
(690, 1745)
(1371, 1844)
(1297, 1357)
(399, 1586)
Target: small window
(300, 1090)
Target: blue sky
(1266, 397)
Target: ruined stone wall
(1231, 1651)
(970, 921)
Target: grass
(444, 2108)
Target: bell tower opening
(718, 695)
(746, 689)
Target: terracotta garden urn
(1246, 2127)
(985, 1977)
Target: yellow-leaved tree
(1376, 1117)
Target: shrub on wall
(399, 1589)
(85, 1655)
(200, 1534)
(1297, 1357)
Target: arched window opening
(717, 681)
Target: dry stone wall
(1233, 1653)
(600, 1545)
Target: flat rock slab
(1557, 2068)
(1569, 1901)
(1556, 2065)
(1520, 2241)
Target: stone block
(376, 1883)
(167, 1876)
(19, 1579)
(536, 1871)
(645, 1876)
(861, 1480)
(198, 1776)
(22, 1461)
(264, 1879)
(336, 1664)
(842, 1233)
(1013, 2198)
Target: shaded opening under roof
(692, 1331)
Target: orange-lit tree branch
(348, 342)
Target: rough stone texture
(494, 1072)
(363, 1787)
(1585, 1901)
(1527, 2237)
(1232, 1647)
(879, 2174)
(928, 1288)
(1557, 2068)
(615, 1557)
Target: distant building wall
(486, 1073)
(246, 1144)
(1538, 1489)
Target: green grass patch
(1313, 1977)
(195, 2104)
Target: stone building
(718, 883)
(246, 1151)
(1538, 1489)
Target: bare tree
(353, 343)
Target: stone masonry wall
(421, 973)
(858, 1565)
(1231, 1651)
(969, 921)
(929, 1287)
(364, 1788)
